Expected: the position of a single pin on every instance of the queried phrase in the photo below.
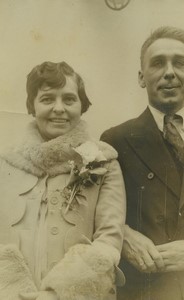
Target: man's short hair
(161, 33)
(54, 75)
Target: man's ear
(141, 79)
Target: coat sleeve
(87, 272)
(111, 210)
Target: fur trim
(40, 157)
(15, 276)
(86, 272)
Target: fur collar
(39, 157)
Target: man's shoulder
(119, 132)
(123, 127)
(127, 127)
(115, 132)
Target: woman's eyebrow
(46, 94)
(69, 94)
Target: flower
(90, 152)
(86, 167)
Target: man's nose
(169, 71)
(59, 106)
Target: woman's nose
(59, 106)
(169, 72)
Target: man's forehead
(165, 46)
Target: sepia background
(102, 45)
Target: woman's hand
(42, 295)
(141, 252)
(173, 255)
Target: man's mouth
(169, 87)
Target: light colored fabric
(88, 271)
(15, 276)
(99, 222)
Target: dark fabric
(178, 164)
(172, 135)
(153, 181)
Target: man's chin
(170, 105)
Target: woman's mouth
(59, 121)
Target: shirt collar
(159, 116)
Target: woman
(62, 199)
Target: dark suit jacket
(153, 187)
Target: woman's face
(57, 110)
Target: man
(151, 155)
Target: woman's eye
(69, 100)
(47, 100)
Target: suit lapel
(146, 140)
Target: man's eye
(157, 63)
(179, 63)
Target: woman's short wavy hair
(53, 75)
(162, 32)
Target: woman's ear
(141, 79)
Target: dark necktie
(172, 135)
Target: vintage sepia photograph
(92, 150)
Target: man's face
(163, 74)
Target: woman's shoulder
(15, 179)
(96, 150)
(108, 151)
(11, 171)
(4, 165)
(7, 170)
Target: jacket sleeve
(87, 271)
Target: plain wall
(101, 44)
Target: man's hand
(29, 296)
(173, 255)
(42, 295)
(141, 252)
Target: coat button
(53, 264)
(112, 291)
(54, 230)
(150, 175)
(54, 200)
(160, 219)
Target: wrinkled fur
(85, 271)
(15, 276)
(40, 157)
